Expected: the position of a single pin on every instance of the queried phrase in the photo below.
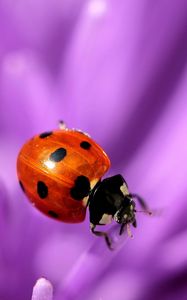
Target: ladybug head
(111, 198)
(117, 194)
(126, 213)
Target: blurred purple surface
(116, 69)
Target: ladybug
(61, 173)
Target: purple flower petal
(41, 26)
(118, 71)
(90, 265)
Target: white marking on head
(106, 219)
(124, 189)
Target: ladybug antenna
(147, 212)
(142, 204)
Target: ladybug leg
(122, 229)
(103, 234)
(127, 227)
(142, 203)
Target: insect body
(60, 172)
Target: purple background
(117, 70)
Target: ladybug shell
(58, 169)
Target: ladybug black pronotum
(61, 173)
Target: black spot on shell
(42, 189)
(85, 145)
(21, 185)
(81, 188)
(53, 214)
(45, 134)
(58, 155)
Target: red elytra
(57, 170)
